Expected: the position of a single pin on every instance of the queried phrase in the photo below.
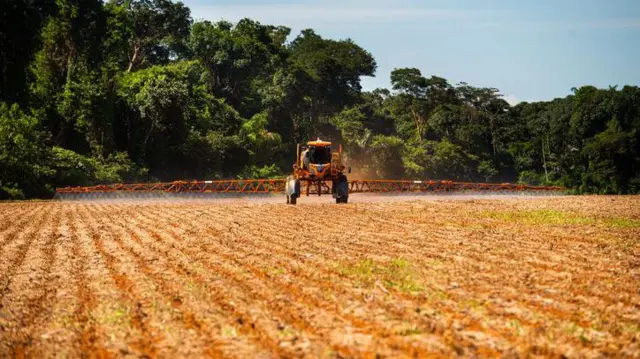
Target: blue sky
(530, 50)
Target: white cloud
(339, 12)
(621, 23)
(297, 14)
(512, 99)
(555, 26)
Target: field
(556, 276)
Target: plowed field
(468, 277)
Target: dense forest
(135, 90)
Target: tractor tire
(292, 190)
(342, 189)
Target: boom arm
(278, 186)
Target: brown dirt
(438, 277)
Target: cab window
(320, 154)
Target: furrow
(87, 334)
(147, 338)
(156, 268)
(292, 258)
(17, 284)
(308, 300)
(11, 213)
(18, 227)
(39, 294)
(255, 321)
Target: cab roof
(319, 143)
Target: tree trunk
(134, 58)
(544, 162)
(493, 137)
(418, 120)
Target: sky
(529, 50)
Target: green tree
(611, 161)
(24, 154)
(20, 25)
(386, 157)
(331, 81)
(65, 66)
(236, 57)
(411, 105)
(157, 101)
(157, 30)
(120, 90)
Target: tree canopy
(96, 91)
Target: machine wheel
(342, 199)
(292, 190)
(342, 189)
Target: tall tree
(237, 56)
(333, 70)
(24, 155)
(65, 73)
(158, 30)
(20, 25)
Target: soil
(404, 276)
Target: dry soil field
(467, 277)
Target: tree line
(134, 90)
